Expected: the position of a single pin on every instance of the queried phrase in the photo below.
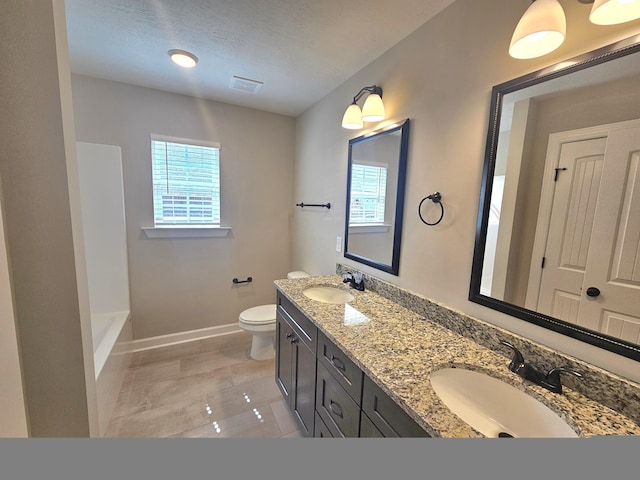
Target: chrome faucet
(356, 280)
(550, 380)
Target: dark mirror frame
(620, 49)
(392, 268)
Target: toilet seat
(260, 315)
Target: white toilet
(260, 322)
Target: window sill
(369, 228)
(182, 231)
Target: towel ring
(435, 198)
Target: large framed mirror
(558, 232)
(376, 174)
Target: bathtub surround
(105, 245)
(113, 356)
(103, 225)
(609, 389)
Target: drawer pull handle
(335, 408)
(294, 340)
(289, 335)
(336, 362)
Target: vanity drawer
(340, 413)
(387, 415)
(303, 327)
(338, 364)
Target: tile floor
(204, 388)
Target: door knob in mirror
(593, 292)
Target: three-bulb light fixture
(372, 110)
(543, 26)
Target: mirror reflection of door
(589, 271)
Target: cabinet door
(284, 358)
(367, 428)
(387, 415)
(320, 429)
(304, 384)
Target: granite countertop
(398, 349)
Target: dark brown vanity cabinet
(328, 393)
(296, 339)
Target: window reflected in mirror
(375, 197)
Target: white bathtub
(112, 337)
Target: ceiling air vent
(245, 84)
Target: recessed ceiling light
(183, 58)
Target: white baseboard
(182, 337)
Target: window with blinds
(368, 193)
(186, 182)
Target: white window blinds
(368, 192)
(186, 183)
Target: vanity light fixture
(541, 30)
(611, 12)
(183, 58)
(372, 110)
(543, 26)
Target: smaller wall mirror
(375, 197)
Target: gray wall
(441, 78)
(36, 132)
(186, 283)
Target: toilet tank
(297, 274)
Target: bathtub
(112, 337)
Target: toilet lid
(259, 315)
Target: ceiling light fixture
(543, 26)
(183, 58)
(372, 110)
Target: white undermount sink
(495, 408)
(328, 294)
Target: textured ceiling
(300, 49)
